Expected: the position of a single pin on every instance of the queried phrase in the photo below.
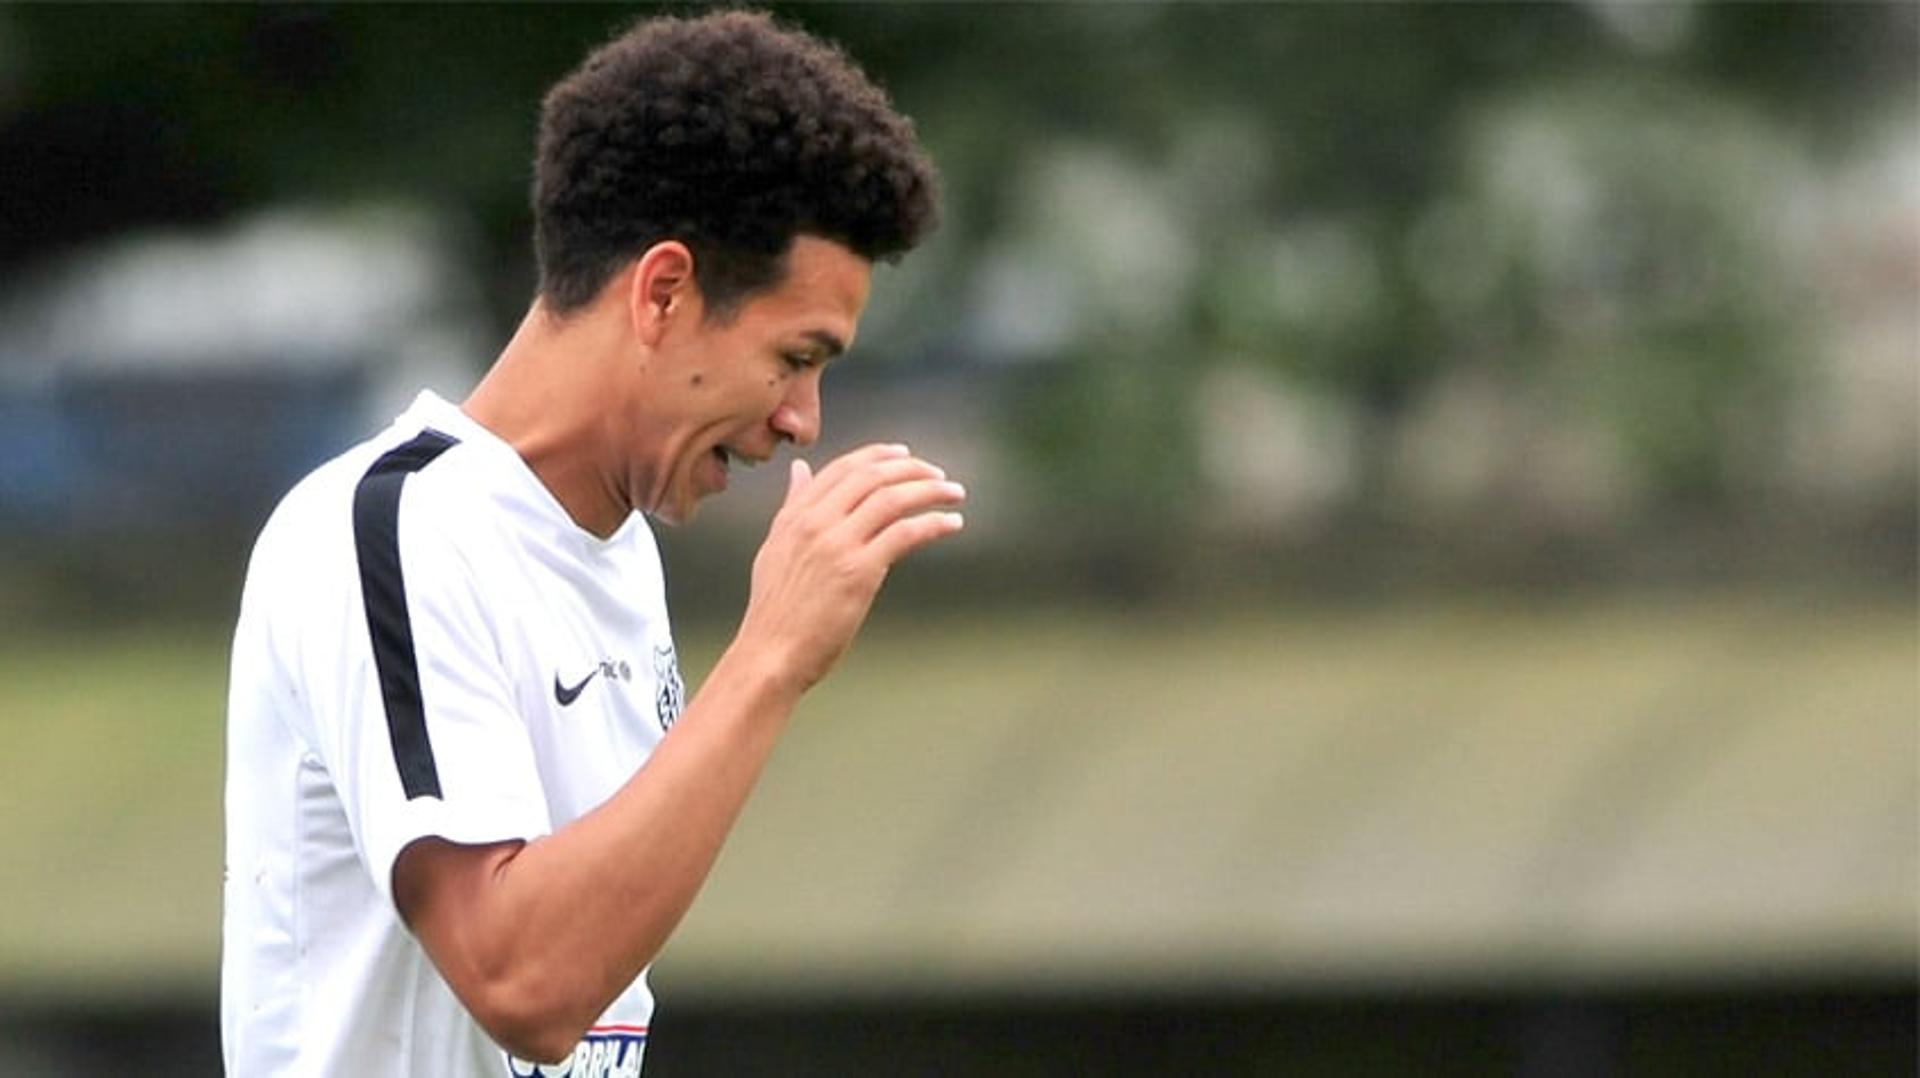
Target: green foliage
(1109, 441)
(1365, 199)
(1645, 251)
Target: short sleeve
(415, 719)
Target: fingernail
(958, 490)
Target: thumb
(799, 476)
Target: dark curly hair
(731, 134)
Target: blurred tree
(1647, 277)
(1292, 184)
(123, 116)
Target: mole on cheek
(699, 379)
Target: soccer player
(465, 806)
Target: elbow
(535, 1046)
(529, 1021)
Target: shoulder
(318, 512)
(411, 490)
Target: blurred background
(1440, 587)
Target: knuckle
(852, 573)
(894, 500)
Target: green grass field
(1076, 795)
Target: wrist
(765, 676)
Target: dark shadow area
(1829, 1031)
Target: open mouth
(728, 458)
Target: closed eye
(821, 346)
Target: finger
(894, 501)
(841, 466)
(860, 486)
(907, 535)
(799, 477)
(848, 479)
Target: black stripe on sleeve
(376, 541)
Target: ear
(661, 289)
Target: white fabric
(509, 602)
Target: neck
(546, 396)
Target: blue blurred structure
(179, 384)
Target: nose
(797, 419)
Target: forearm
(538, 938)
(557, 928)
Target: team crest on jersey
(607, 1052)
(671, 694)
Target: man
(464, 807)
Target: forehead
(825, 287)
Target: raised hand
(829, 549)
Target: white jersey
(427, 645)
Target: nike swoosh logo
(566, 695)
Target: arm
(538, 938)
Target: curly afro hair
(732, 135)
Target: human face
(729, 391)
